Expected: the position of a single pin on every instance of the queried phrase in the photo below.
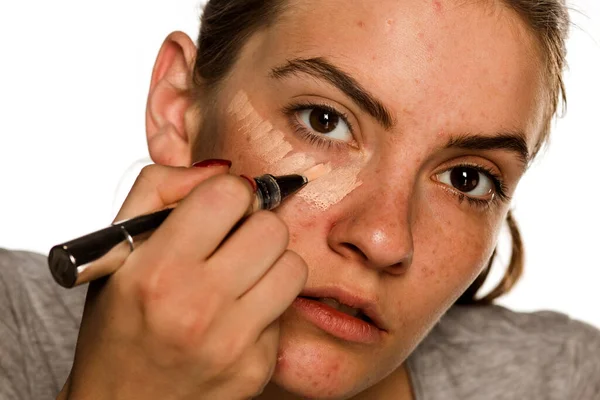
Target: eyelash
(320, 141)
(500, 189)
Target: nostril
(398, 269)
(355, 249)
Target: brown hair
(227, 24)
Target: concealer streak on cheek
(271, 145)
(329, 189)
(332, 188)
(265, 141)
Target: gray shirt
(473, 352)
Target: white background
(73, 82)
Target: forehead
(438, 62)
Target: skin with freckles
(401, 234)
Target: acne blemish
(437, 6)
(389, 25)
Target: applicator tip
(316, 171)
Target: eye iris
(323, 121)
(464, 179)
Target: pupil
(323, 121)
(464, 179)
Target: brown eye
(323, 121)
(468, 180)
(464, 179)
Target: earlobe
(169, 100)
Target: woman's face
(424, 111)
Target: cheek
(451, 249)
(301, 218)
(308, 224)
(454, 244)
(310, 365)
(238, 133)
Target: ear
(169, 101)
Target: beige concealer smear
(330, 189)
(271, 145)
(266, 142)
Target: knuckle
(149, 291)
(189, 328)
(170, 316)
(229, 190)
(151, 180)
(224, 353)
(180, 331)
(148, 174)
(256, 375)
(233, 188)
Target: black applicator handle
(102, 252)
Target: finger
(252, 362)
(159, 186)
(272, 295)
(261, 359)
(261, 239)
(201, 221)
(267, 346)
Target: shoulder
(496, 323)
(20, 272)
(512, 354)
(25, 278)
(39, 322)
(12, 261)
(28, 287)
(23, 267)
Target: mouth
(343, 308)
(343, 316)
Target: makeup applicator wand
(101, 253)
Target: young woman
(426, 114)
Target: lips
(342, 313)
(335, 304)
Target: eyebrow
(321, 69)
(510, 141)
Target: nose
(376, 229)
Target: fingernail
(251, 181)
(213, 162)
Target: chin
(326, 378)
(314, 365)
